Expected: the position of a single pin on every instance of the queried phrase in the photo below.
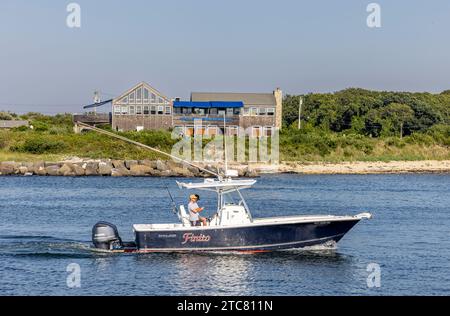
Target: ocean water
(45, 228)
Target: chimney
(278, 94)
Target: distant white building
(12, 124)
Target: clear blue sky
(179, 46)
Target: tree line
(369, 113)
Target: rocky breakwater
(110, 168)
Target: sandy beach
(429, 166)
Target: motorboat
(232, 228)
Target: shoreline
(362, 167)
(77, 167)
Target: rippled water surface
(45, 225)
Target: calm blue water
(45, 225)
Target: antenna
(225, 142)
(97, 99)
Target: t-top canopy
(214, 185)
(208, 105)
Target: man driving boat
(195, 210)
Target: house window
(200, 130)
(146, 94)
(177, 110)
(131, 98)
(139, 95)
(230, 112)
(153, 98)
(124, 110)
(237, 111)
(232, 130)
(153, 110)
(168, 110)
(256, 131)
(199, 111)
(160, 110)
(213, 111)
(268, 131)
(146, 110)
(132, 110)
(213, 130)
(160, 101)
(117, 110)
(189, 131)
(187, 110)
(139, 110)
(253, 111)
(262, 111)
(246, 111)
(124, 100)
(222, 112)
(271, 111)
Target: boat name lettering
(167, 236)
(189, 237)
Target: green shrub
(21, 129)
(5, 116)
(58, 130)
(39, 126)
(41, 146)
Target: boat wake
(328, 246)
(43, 246)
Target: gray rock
(140, 171)
(120, 172)
(167, 173)
(173, 164)
(251, 173)
(91, 169)
(181, 172)
(155, 173)
(118, 164)
(194, 170)
(52, 170)
(67, 170)
(23, 170)
(125, 172)
(7, 168)
(116, 173)
(161, 166)
(130, 163)
(30, 166)
(148, 163)
(40, 171)
(51, 164)
(104, 168)
(78, 170)
(37, 165)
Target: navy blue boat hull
(250, 238)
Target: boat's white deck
(256, 222)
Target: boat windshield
(232, 198)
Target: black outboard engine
(105, 236)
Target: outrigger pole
(101, 131)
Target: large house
(143, 107)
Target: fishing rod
(101, 131)
(174, 205)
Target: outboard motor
(105, 236)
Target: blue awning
(208, 105)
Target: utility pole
(300, 105)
